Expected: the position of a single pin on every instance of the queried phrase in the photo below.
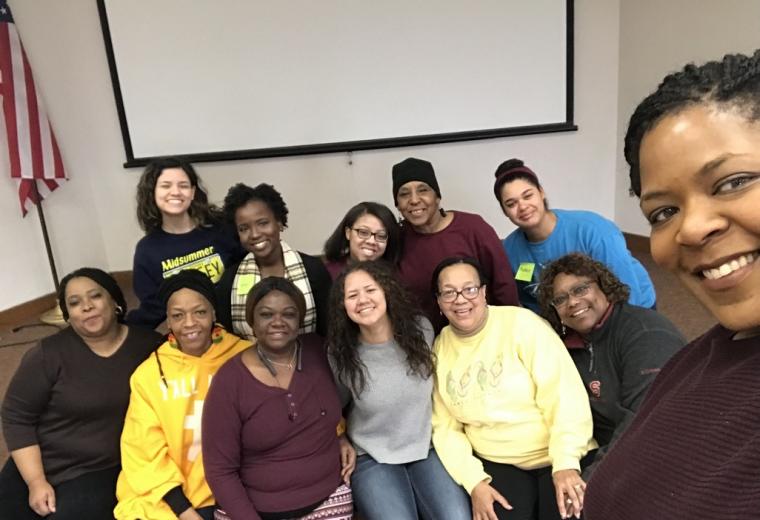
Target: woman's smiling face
(467, 316)
(276, 320)
(372, 247)
(258, 229)
(418, 203)
(579, 301)
(364, 299)
(523, 203)
(700, 177)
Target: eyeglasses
(364, 234)
(450, 295)
(576, 292)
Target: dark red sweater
(693, 450)
(467, 235)
(269, 449)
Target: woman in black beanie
(64, 409)
(430, 234)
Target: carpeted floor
(672, 300)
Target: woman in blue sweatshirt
(544, 234)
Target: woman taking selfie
(693, 449)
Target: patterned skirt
(338, 506)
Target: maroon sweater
(693, 450)
(268, 449)
(467, 235)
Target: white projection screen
(234, 79)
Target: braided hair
(733, 82)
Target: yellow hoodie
(510, 394)
(161, 441)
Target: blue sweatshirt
(577, 232)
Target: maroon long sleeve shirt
(467, 235)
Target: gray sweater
(391, 418)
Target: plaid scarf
(248, 275)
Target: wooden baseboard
(637, 243)
(124, 279)
(28, 311)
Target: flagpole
(53, 316)
(38, 202)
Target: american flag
(32, 149)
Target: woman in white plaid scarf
(259, 215)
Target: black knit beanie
(188, 279)
(101, 278)
(413, 169)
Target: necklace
(269, 362)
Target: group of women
(400, 376)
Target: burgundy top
(335, 267)
(466, 235)
(268, 449)
(693, 450)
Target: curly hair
(268, 285)
(149, 216)
(241, 194)
(404, 316)
(577, 264)
(336, 247)
(731, 83)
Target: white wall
(92, 216)
(661, 36)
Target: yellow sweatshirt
(161, 441)
(510, 394)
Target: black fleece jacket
(618, 362)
